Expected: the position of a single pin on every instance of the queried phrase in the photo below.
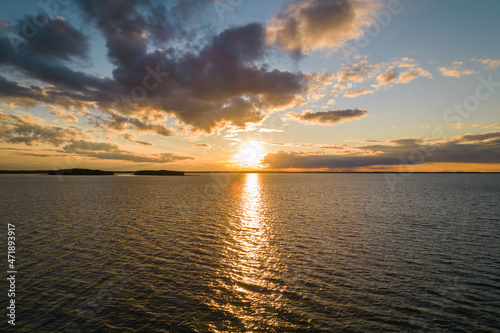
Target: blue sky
(283, 85)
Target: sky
(215, 85)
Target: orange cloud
(359, 92)
(455, 72)
(490, 63)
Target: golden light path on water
(251, 263)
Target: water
(255, 253)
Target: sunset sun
(249, 155)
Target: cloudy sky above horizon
(320, 85)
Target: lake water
(254, 253)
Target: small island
(81, 172)
(158, 173)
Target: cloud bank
(25, 129)
(477, 148)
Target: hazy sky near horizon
(237, 84)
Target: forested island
(158, 173)
(80, 172)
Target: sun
(250, 155)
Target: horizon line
(267, 171)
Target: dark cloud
(284, 160)
(221, 84)
(479, 148)
(14, 90)
(122, 26)
(56, 38)
(60, 76)
(331, 117)
(128, 26)
(408, 142)
(492, 138)
(320, 24)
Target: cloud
(490, 63)
(392, 75)
(331, 117)
(270, 130)
(359, 92)
(138, 158)
(25, 129)
(38, 61)
(81, 145)
(143, 143)
(110, 151)
(320, 24)
(357, 72)
(340, 149)
(400, 71)
(478, 148)
(57, 38)
(133, 138)
(405, 63)
(118, 122)
(462, 125)
(387, 77)
(128, 26)
(63, 114)
(413, 73)
(455, 71)
(202, 145)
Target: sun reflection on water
(248, 268)
(248, 235)
(251, 217)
